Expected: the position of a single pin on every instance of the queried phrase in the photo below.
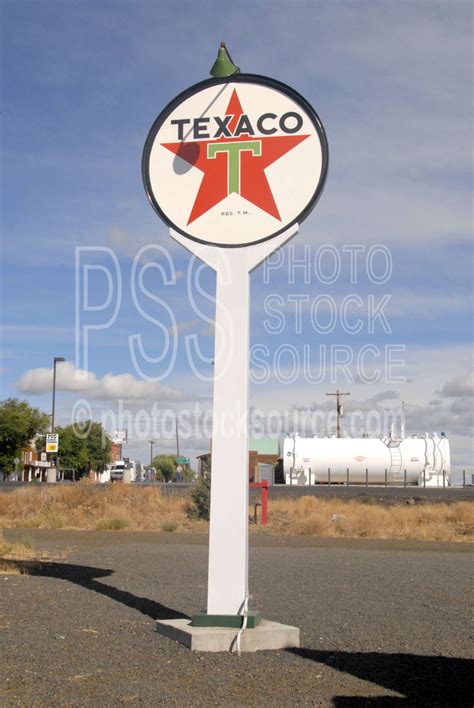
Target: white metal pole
(228, 529)
(228, 535)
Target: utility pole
(177, 437)
(339, 409)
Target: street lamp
(57, 360)
(52, 472)
(151, 452)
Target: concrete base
(268, 635)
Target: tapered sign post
(228, 536)
(233, 165)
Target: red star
(253, 181)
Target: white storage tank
(323, 460)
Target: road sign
(119, 437)
(183, 460)
(235, 161)
(52, 442)
(233, 165)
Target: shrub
(114, 524)
(169, 526)
(201, 496)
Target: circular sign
(235, 161)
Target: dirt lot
(382, 623)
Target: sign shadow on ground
(431, 680)
(86, 577)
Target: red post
(264, 503)
(263, 486)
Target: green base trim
(202, 619)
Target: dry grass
(118, 506)
(18, 558)
(85, 506)
(309, 516)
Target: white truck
(124, 471)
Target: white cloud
(385, 396)
(128, 245)
(459, 386)
(425, 370)
(110, 387)
(208, 331)
(185, 326)
(19, 330)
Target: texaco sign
(235, 161)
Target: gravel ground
(382, 623)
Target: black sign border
(236, 78)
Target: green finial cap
(223, 66)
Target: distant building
(116, 452)
(35, 465)
(263, 451)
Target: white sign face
(52, 442)
(119, 437)
(235, 161)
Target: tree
(72, 449)
(165, 466)
(84, 447)
(99, 446)
(19, 423)
(188, 474)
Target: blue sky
(82, 83)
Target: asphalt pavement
(382, 623)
